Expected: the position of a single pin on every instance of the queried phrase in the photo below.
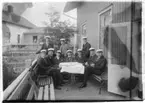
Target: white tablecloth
(72, 67)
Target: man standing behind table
(86, 47)
(46, 45)
(96, 65)
(64, 47)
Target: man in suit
(86, 47)
(95, 65)
(69, 56)
(45, 67)
(46, 45)
(79, 57)
(58, 58)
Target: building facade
(114, 27)
(14, 26)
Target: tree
(61, 29)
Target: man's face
(62, 42)
(43, 54)
(69, 54)
(47, 40)
(84, 41)
(99, 54)
(79, 54)
(50, 53)
(92, 52)
(58, 54)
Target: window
(18, 38)
(34, 39)
(105, 18)
(84, 31)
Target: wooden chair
(103, 78)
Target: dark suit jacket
(85, 50)
(43, 65)
(68, 59)
(50, 60)
(46, 47)
(57, 61)
(101, 63)
(80, 60)
(92, 59)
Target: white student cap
(79, 50)
(47, 37)
(62, 39)
(84, 37)
(91, 49)
(50, 49)
(58, 51)
(43, 50)
(69, 51)
(99, 50)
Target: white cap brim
(84, 37)
(69, 51)
(43, 51)
(99, 50)
(58, 51)
(47, 37)
(79, 50)
(50, 49)
(91, 49)
(62, 39)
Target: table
(73, 68)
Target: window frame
(18, 38)
(99, 18)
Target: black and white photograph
(72, 51)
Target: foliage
(61, 29)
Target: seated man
(79, 57)
(95, 65)
(45, 67)
(69, 56)
(58, 58)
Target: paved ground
(91, 92)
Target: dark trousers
(89, 71)
(57, 77)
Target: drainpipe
(132, 11)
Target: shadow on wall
(118, 50)
(120, 53)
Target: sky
(36, 14)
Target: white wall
(15, 30)
(88, 14)
(28, 38)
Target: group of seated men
(48, 64)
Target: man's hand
(59, 68)
(86, 64)
(92, 65)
